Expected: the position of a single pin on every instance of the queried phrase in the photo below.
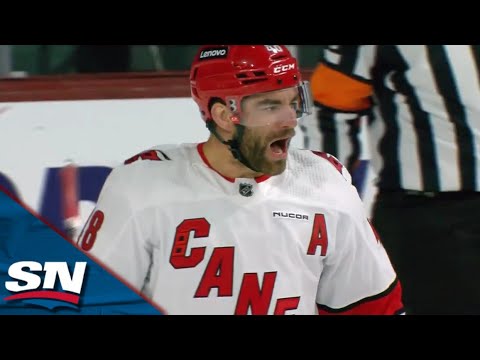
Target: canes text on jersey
(219, 270)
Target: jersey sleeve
(114, 235)
(358, 277)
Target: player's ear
(221, 115)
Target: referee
(422, 103)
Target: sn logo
(29, 285)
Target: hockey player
(242, 223)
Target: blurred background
(32, 60)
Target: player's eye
(270, 108)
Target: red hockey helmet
(231, 72)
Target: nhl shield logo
(246, 190)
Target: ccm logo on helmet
(283, 68)
(213, 53)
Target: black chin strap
(234, 144)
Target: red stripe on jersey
(146, 155)
(388, 302)
(205, 160)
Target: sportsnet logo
(27, 285)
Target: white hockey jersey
(195, 242)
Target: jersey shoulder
(160, 153)
(156, 167)
(323, 180)
(320, 165)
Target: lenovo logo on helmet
(283, 68)
(213, 53)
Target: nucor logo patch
(289, 215)
(214, 53)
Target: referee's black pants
(433, 241)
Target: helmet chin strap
(233, 144)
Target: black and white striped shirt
(424, 125)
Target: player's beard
(254, 148)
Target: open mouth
(279, 147)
